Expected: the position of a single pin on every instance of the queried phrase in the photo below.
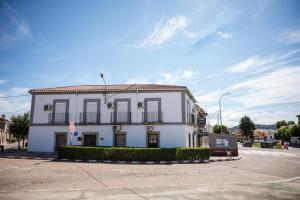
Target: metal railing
(190, 118)
(152, 117)
(89, 118)
(121, 117)
(58, 118)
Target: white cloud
(138, 80)
(252, 62)
(291, 36)
(177, 77)
(164, 31)
(224, 35)
(13, 27)
(263, 63)
(212, 76)
(2, 81)
(279, 86)
(180, 76)
(14, 105)
(189, 34)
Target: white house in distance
(133, 115)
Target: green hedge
(192, 153)
(132, 154)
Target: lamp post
(102, 76)
(220, 108)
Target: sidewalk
(23, 154)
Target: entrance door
(153, 140)
(89, 140)
(60, 139)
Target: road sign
(75, 133)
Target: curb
(227, 159)
(127, 162)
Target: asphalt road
(262, 174)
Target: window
(120, 139)
(153, 140)
(222, 142)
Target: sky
(248, 48)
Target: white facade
(171, 111)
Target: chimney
(3, 116)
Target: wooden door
(60, 139)
(90, 140)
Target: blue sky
(248, 48)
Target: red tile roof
(111, 88)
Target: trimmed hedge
(192, 153)
(132, 154)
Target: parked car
(247, 144)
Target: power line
(24, 95)
(16, 111)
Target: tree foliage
(19, 126)
(247, 127)
(290, 123)
(217, 129)
(281, 123)
(284, 133)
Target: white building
(4, 135)
(138, 115)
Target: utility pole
(102, 76)
(220, 108)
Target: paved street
(263, 174)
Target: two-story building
(133, 115)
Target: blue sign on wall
(75, 133)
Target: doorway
(89, 140)
(60, 139)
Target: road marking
(284, 180)
(268, 153)
(75, 189)
(38, 190)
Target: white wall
(170, 105)
(41, 138)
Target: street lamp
(220, 108)
(102, 76)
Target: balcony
(58, 118)
(89, 118)
(190, 118)
(152, 117)
(121, 117)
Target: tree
(217, 129)
(283, 133)
(290, 123)
(19, 127)
(247, 127)
(295, 130)
(280, 124)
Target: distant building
(3, 129)
(260, 134)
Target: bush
(267, 144)
(132, 154)
(192, 153)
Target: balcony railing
(58, 118)
(89, 118)
(152, 117)
(190, 118)
(121, 117)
